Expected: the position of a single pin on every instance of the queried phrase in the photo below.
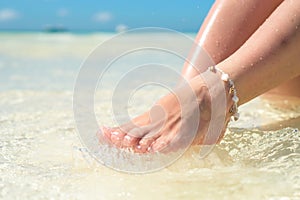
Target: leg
(268, 58)
(222, 20)
(224, 29)
(289, 88)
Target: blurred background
(94, 15)
(44, 42)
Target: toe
(104, 134)
(130, 141)
(161, 144)
(147, 140)
(145, 144)
(133, 137)
(117, 137)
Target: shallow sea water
(41, 156)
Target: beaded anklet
(232, 91)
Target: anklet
(232, 91)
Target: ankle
(230, 91)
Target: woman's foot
(173, 122)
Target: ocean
(42, 157)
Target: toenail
(149, 149)
(142, 142)
(127, 138)
(115, 133)
(115, 137)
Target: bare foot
(174, 122)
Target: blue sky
(100, 15)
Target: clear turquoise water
(41, 156)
